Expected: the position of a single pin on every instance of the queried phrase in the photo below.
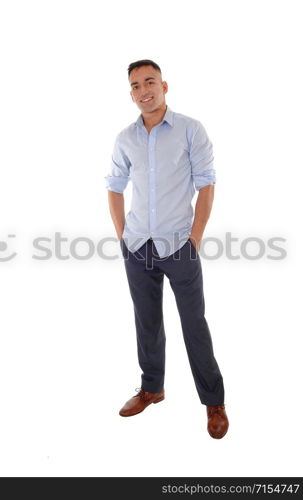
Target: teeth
(145, 100)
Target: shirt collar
(168, 117)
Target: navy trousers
(145, 272)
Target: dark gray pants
(145, 272)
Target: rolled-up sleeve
(118, 175)
(201, 158)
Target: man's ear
(165, 87)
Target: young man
(167, 156)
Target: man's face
(147, 88)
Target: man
(167, 156)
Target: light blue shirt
(165, 167)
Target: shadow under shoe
(140, 401)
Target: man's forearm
(202, 212)
(116, 207)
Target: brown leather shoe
(139, 402)
(217, 421)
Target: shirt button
(153, 209)
(151, 169)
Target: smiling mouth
(147, 100)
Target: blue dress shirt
(165, 167)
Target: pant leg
(146, 289)
(186, 281)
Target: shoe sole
(218, 437)
(137, 413)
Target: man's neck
(152, 119)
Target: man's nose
(145, 95)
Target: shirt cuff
(205, 179)
(116, 184)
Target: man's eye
(151, 82)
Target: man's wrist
(196, 236)
(196, 240)
(120, 233)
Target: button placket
(152, 180)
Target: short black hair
(143, 62)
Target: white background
(68, 353)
